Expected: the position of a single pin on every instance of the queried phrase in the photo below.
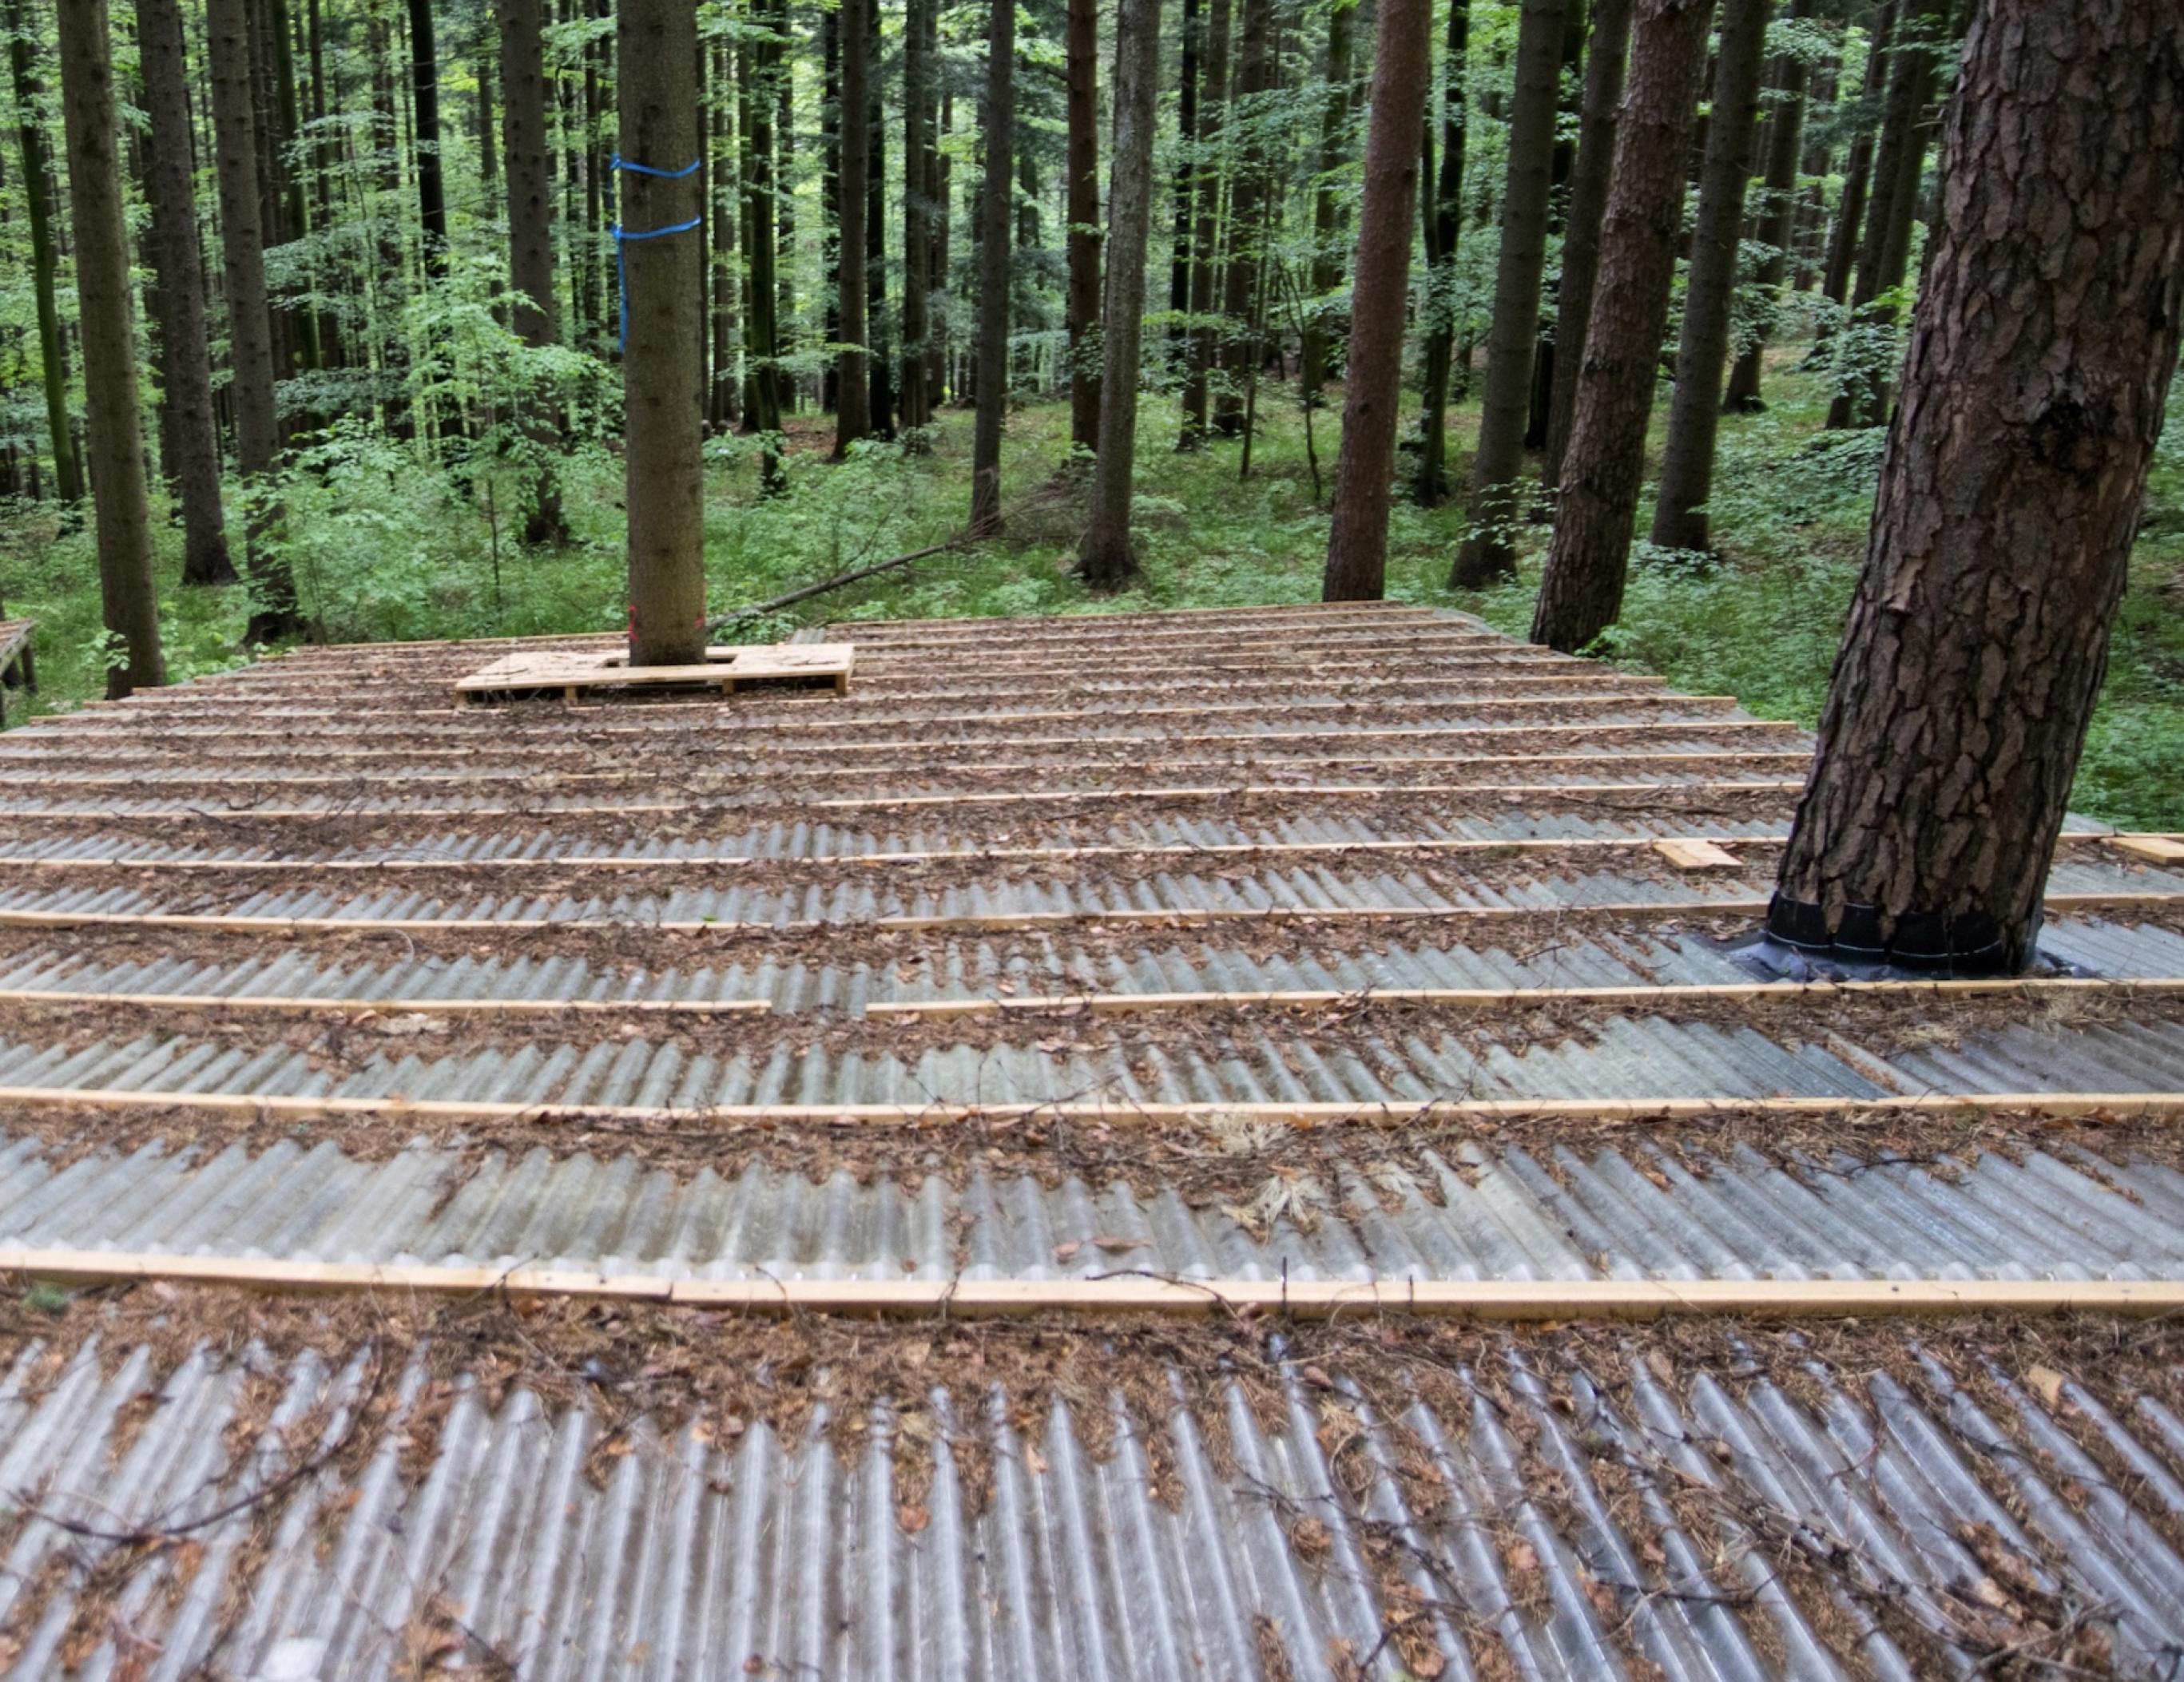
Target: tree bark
(916, 214)
(876, 324)
(425, 90)
(1581, 589)
(1206, 238)
(1334, 142)
(249, 326)
(530, 236)
(1858, 172)
(1440, 216)
(663, 483)
(723, 193)
(853, 409)
(127, 596)
(1590, 180)
(1184, 176)
(997, 194)
(37, 200)
(762, 295)
(1679, 520)
(1246, 118)
(2042, 351)
(1082, 299)
(1778, 214)
(194, 460)
(1106, 560)
(1357, 539)
(1486, 553)
(1567, 117)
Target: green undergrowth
(394, 542)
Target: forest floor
(390, 542)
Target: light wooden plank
(2162, 850)
(1693, 854)
(388, 1007)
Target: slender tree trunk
(37, 197)
(1487, 553)
(997, 193)
(1186, 175)
(1778, 216)
(781, 66)
(1858, 173)
(853, 412)
(1679, 520)
(249, 325)
(1440, 218)
(127, 593)
(663, 432)
(724, 190)
(2010, 494)
(425, 85)
(1213, 106)
(761, 297)
(1246, 118)
(1582, 590)
(917, 213)
(1589, 181)
(1106, 560)
(1323, 326)
(881, 362)
(1568, 118)
(194, 459)
(1082, 209)
(830, 198)
(1358, 540)
(530, 236)
(487, 141)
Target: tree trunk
(1679, 520)
(38, 198)
(1358, 540)
(762, 296)
(425, 85)
(1205, 254)
(487, 141)
(130, 601)
(1082, 300)
(1589, 181)
(830, 201)
(1858, 173)
(2010, 494)
(1441, 215)
(1581, 589)
(724, 192)
(1487, 553)
(1323, 325)
(1106, 560)
(664, 431)
(917, 213)
(1778, 214)
(1184, 176)
(996, 201)
(194, 459)
(876, 324)
(853, 401)
(1246, 119)
(530, 237)
(1568, 117)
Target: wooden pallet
(726, 668)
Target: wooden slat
(724, 667)
(1499, 1300)
(2165, 849)
(438, 1007)
(1697, 855)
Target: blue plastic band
(622, 236)
(622, 162)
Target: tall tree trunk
(1487, 553)
(1582, 590)
(1322, 326)
(881, 362)
(249, 325)
(1082, 171)
(194, 459)
(424, 86)
(724, 192)
(1884, 253)
(1679, 520)
(996, 196)
(1106, 560)
(830, 196)
(1247, 120)
(1440, 217)
(1358, 540)
(762, 297)
(530, 236)
(1570, 117)
(917, 212)
(38, 198)
(1589, 181)
(1858, 173)
(1185, 174)
(1213, 106)
(780, 65)
(853, 411)
(129, 602)
(1778, 214)
(2010, 494)
(487, 141)
(664, 431)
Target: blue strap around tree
(623, 236)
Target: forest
(388, 276)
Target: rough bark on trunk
(664, 429)
(1679, 520)
(1581, 589)
(853, 411)
(1247, 203)
(1441, 215)
(1487, 553)
(1322, 326)
(1106, 560)
(194, 460)
(115, 436)
(37, 200)
(997, 192)
(1082, 194)
(530, 236)
(1590, 180)
(425, 90)
(1212, 108)
(1357, 539)
(1778, 214)
(249, 327)
(2042, 350)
